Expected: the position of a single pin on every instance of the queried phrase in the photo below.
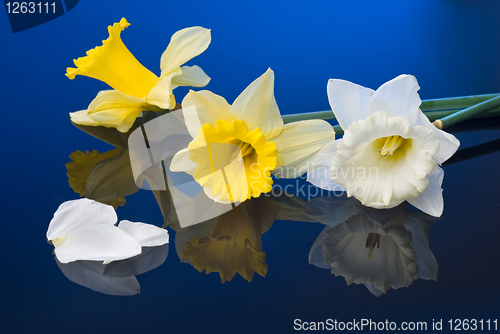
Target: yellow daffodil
(136, 87)
(390, 151)
(247, 141)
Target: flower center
(233, 162)
(372, 240)
(392, 143)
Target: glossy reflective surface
(450, 46)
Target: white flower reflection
(117, 278)
(381, 249)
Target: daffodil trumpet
(135, 88)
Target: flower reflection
(117, 278)
(231, 243)
(104, 177)
(381, 249)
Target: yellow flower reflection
(106, 177)
(136, 87)
(230, 243)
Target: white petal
(398, 97)
(320, 170)
(448, 143)
(90, 275)
(297, 144)
(348, 101)
(182, 163)
(376, 180)
(430, 200)
(147, 235)
(204, 107)
(79, 214)
(192, 76)
(184, 45)
(99, 243)
(257, 106)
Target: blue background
(451, 46)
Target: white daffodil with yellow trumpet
(135, 87)
(390, 151)
(248, 140)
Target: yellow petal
(184, 45)
(161, 94)
(115, 65)
(257, 106)
(209, 108)
(82, 117)
(298, 143)
(192, 76)
(113, 109)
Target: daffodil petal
(319, 172)
(398, 97)
(99, 243)
(182, 163)
(298, 142)
(147, 235)
(112, 108)
(192, 76)
(161, 94)
(448, 143)
(430, 200)
(208, 108)
(184, 45)
(82, 117)
(257, 106)
(79, 214)
(348, 101)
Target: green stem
(434, 109)
(445, 107)
(467, 113)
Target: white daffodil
(390, 151)
(85, 230)
(136, 87)
(381, 249)
(247, 141)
